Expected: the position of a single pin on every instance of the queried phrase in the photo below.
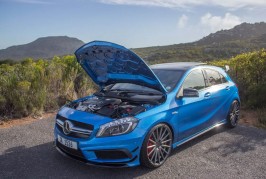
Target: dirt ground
(25, 120)
(247, 117)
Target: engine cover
(95, 103)
(111, 107)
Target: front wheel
(157, 146)
(233, 115)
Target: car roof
(176, 65)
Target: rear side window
(194, 80)
(224, 80)
(213, 77)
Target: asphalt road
(27, 151)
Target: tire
(233, 115)
(157, 146)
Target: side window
(194, 80)
(213, 77)
(223, 78)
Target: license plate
(67, 143)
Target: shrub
(248, 70)
(32, 87)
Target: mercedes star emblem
(67, 127)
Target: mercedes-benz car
(141, 113)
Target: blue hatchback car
(141, 113)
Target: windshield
(169, 78)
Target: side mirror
(190, 92)
(226, 68)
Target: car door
(193, 112)
(220, 91)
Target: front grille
(73, 134)
(76, 124)
(70, 151)
(111, 154)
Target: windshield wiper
(116, 90)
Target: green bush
(248, 70)
(31, 87)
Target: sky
(132, 23)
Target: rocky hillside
(45, 47)
(240, 32)
(222, 44)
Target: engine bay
(111, 107)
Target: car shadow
(44, 161)
(241, 139)
(199, 139)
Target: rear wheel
(233, 115)
(157, 146)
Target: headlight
(118, 127)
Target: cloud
(160, 3)
(182, 22)
(216, 23)
(234, 4)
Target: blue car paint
(108, 63)
(187, 117)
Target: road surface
(27, 151)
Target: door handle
(227, 88)
(175, 112)
(208, 94)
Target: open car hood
(108, 63)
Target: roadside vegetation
(33, 87)
(248, 70)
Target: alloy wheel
(159, 145)
(234, 114)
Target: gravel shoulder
(27, 151)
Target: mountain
(240, 32)
(242, 38)
(222, 44)
(44, 47)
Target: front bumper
(115, 151)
